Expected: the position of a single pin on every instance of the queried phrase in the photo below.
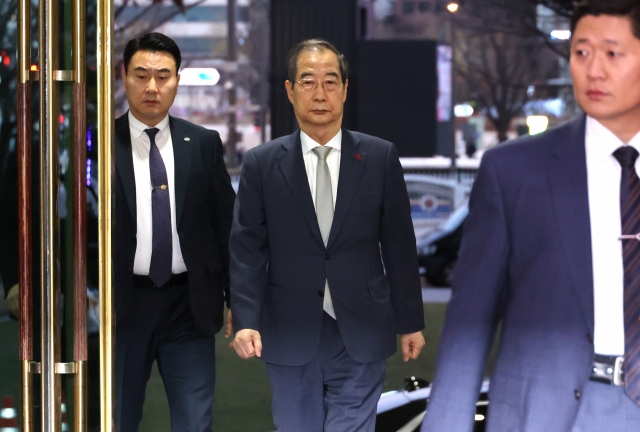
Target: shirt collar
(309, 144)
(601, 142)
(137, 127)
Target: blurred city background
(443, 80)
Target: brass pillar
(105, 81)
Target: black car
(438, 250)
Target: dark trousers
(159, 327)
(606, 408)
(331, 393)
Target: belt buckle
(618, 372)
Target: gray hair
(314, 45)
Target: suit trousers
(331, 393)
(159, 327)
(606, 408)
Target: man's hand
(229, 330)
(411, 345)
(248, 343)
(13, 300)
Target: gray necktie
(324, 211)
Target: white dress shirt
(140, 146)
(603, 179)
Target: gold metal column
(24, 210)
(47, 74)
(79, 156)
(50, 294)
(105, 80)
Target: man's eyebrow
(144, 69)
(306, 74)
(608, 41)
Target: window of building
(424, 6)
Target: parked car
(403, 410)
(438, 250)
(433, 199)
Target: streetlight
(453, 7)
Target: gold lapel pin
(187, 139)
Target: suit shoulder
(122, 119)
(269, 148)
(370, 139)
(374, 146)
(191, 127)
(533, 146)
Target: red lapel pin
(358, 157)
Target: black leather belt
(144, 282)
(608, 369)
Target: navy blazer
(279, 263)
(526, 262)
(204, 207)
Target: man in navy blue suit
(551, 251)
(317, 214)
(173, 215)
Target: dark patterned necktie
(630, 216)
(161, 251)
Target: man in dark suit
(174, 204)
(293, 257)
(543, 255)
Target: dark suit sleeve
(249, 249)
(398, 246)
(474, 309)
(9, 224)
(222, 209)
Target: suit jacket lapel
(568, 181)
(124, 163)
(182, 151)
(350, 171)
(292, 166)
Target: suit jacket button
(577, 393)
(327, 256)
(321, 293)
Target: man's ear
(289, 86)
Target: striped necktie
(630, 218)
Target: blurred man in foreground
(551, 251)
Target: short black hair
(152, 42)
(617, 8)
(314, 45)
